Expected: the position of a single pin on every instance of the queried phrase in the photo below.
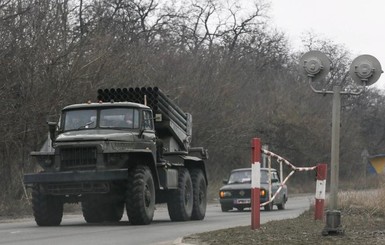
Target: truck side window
(147, 120)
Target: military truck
(131, 148)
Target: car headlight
(263, 192)
(223, 194)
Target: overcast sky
(358, 25)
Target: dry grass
(371, 202)
(15, 209)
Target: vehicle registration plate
(242, 201)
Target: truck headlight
(45, 161)
(116, 159)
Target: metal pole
(364, 155)
(264, 158)
(335, 151)
(333, 216)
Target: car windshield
(240, 177)
(244, 176)
(265, 176)
(106, 118)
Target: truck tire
(199, 194)
(180, 201)
(140, 196)
(114, 212)
(92, 211)
(47, 209)
(96, 212)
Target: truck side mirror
(52, 130)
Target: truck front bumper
(75, 176)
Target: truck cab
(88, 136)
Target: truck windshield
(79, 119)
(106, 118)
(119, 118)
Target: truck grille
(83, 158)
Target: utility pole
(364, 70)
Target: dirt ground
(358, 228)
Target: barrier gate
(255, 182)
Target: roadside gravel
(358, 226)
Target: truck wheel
(96, 212)
(199, 194)
(140, 196)
(92, 211)
(47, 209)
(114, 212)
(180, 201)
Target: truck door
(148, 130)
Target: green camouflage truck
(129, 150)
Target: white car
(236, 193)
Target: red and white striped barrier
(255, 182)
(320, 191)
(281, 159)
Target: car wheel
(226, 208)
(269, 206)
(282, 205)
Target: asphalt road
(74, 230)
